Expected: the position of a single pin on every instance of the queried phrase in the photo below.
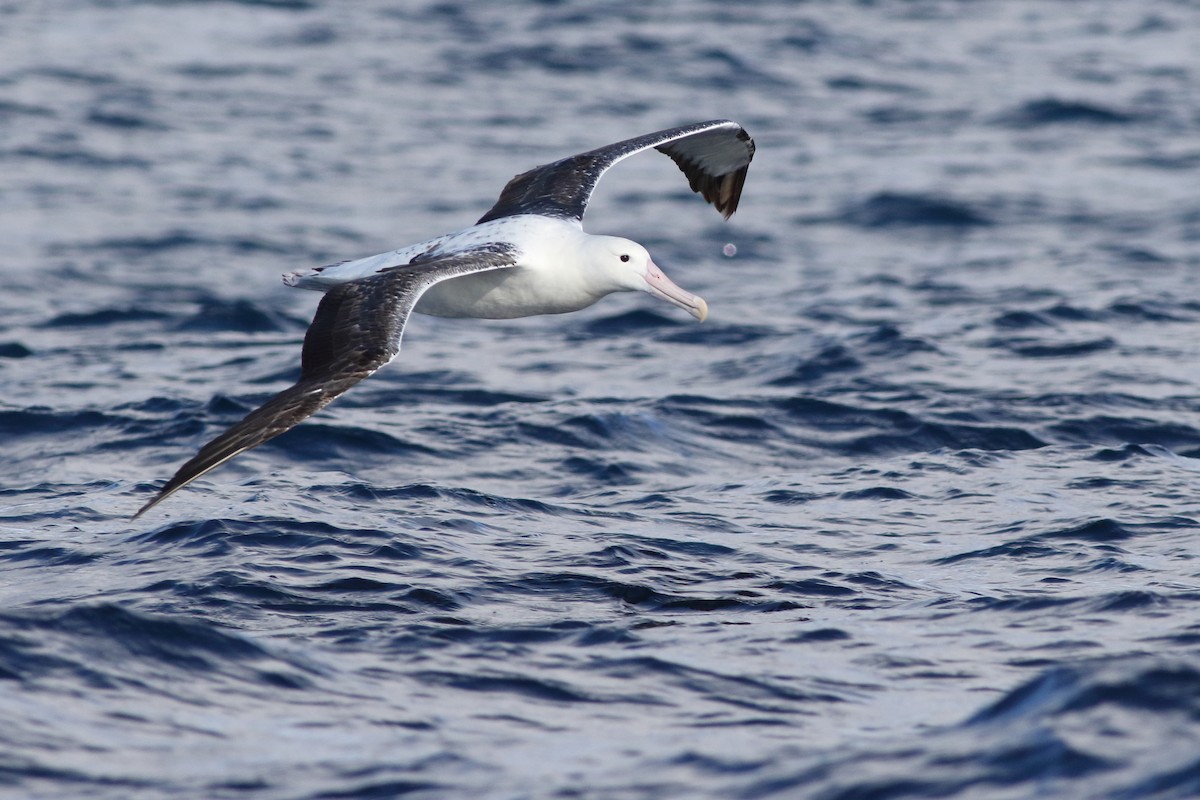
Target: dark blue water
(913, 515)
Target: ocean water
(913, 515)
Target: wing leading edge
(715, 156)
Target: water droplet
(730, 250)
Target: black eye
(624, 256)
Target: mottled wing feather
(356, 330)
(714, 156)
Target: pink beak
(659, 285)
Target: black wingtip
(722, 189)
(169, 488)
(148, 506)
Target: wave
(900, 209)
(1097, 729)
(1053, 111)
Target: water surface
(912, 515)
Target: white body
(559, 268)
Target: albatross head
(629, 267)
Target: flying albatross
(528, 255)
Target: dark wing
(356, 330)
(713, 155)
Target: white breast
(551, 275)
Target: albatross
(528, 255)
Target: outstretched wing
(356, 330)
(713, 155)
